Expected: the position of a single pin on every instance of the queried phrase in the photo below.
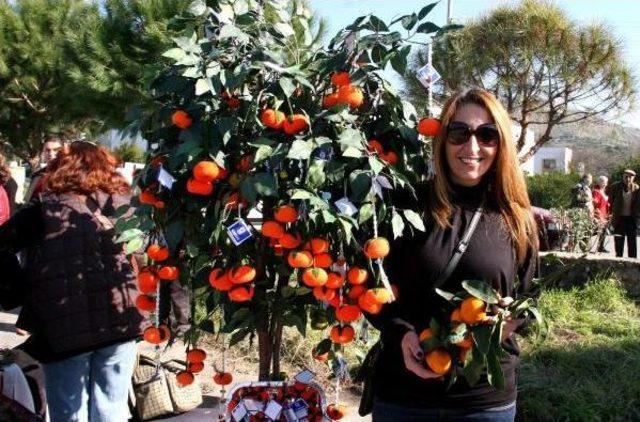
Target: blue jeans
(92, 386)
(387, 412)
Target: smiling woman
(476, 176)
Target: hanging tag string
(383, 274)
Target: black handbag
(365, 374)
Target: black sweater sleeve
(23, 229)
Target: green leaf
(473, 366)
(128, 235)
(409, 21)
(446, 295)
(300, 194)
(360, 183)
(397, 224)
(494, 372)
(284, 28)
(376, 165)
(288, 87)
(203, 86)
(133, 245)
(366, 212)
(123, 225)
(265, 184)
(352, 152)
(175, 54)
(197, 8)
(482, 290)
(399, 60)
(427, 28)
(293, 320)
(415, 219)
(231, 31)
(482, 337)
(376, 24)
(457, 334)
(262, 153)
(425, 10)
(448, 28)
(300, 149)
(323, 347)
(238, 336)
(174, 234)
(208, 326)
(316, 175)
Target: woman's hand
(414, 357)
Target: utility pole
(449, 4)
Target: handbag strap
(97, 213)
(462, 246)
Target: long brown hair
(508, 188)
(84, 168)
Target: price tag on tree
(165, 178)
(239, 232)
(428, 75)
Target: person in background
(601, 211)
(624, 197)
(5, 205)
(49, 151)
(582, 196)
(475, 163)
(80, 287)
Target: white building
(546, 159)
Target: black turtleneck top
(414, 265)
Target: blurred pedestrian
(49, 151)
(625, 213)
(601, 211)
(582, 195)
(80, 295)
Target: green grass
(588, 367)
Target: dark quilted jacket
(81, 286)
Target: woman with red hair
(80, 288)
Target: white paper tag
(273, 410)
(346, 207)
(305, 376)
(239, 412)
(427, 75)
(165, 178)
(252, 406)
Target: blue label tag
(239, 232)
(300, 407)
(165, 178)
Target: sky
(622, 16)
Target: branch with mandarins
(470, 342)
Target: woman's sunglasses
(459, 133)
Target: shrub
(552, 190)
(130, 152)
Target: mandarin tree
(241, 126)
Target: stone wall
(569, 269)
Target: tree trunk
(265, 353)
(277, 347)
